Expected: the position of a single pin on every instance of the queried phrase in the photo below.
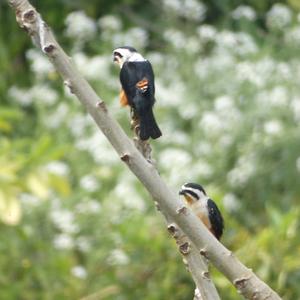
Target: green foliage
(75, 222)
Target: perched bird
(137, 80)
(205, 208)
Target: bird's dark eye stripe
(193, 194)
(118, 54)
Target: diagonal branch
(247, 283)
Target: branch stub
(49, 48)
(172, 229)
(185, 248)
(182, 210)
(29, 16)
(101, 105)
(125, 157)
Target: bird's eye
(118, 54)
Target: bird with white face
(137, 80)
(205, 209)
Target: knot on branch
(205, 275)
(101, 105)
(182, 210)
(185, 248)
(125, 157)
(241, 283)
(29, 16)
(172, 228)
(204, 253)
(157, 205)
(69, 85)
(49, 48)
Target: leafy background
(74, 221)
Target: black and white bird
(137, 80)
(205, 208)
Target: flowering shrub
(229, 107)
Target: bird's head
(192, 192)
(126, 53)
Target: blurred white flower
(189, 110)
(292, 36)
(64, 220)
(179, 158)
(40, 93)
(118, 257)
(63, 242)
(265, 66)
(94, 68)
(202, 169)
(244, 12)
(89, 183)
(207, 32)
(93, 143)
(273, 127)
(231, 202)
(226, 39)
(295, 107)
(175, 37)
(170, 94)
(211, 123)
(135, 36)
(58, 168)
(203, 148)
(220, 62)
(79, 272)
(156, 58)
(110, 23)
(39, 63)
(190, 9)
(240, 43)
(80, 26)
(283, 71)
(55, 119)
(298, 164)
(88, 207)
(83, 244)
(245, 168)
(226, 140)
(29, 200)
(78, 124)
(43, 93)
(126, 192)
(245, 44)
(278, 97)
(223, 103)
(245, 71)
(279, 16)
(20, 96)
(173, 160)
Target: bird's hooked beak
(117, 58)
(181, 192)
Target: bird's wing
(134, 73)
(215, 218)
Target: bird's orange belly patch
(123, 98)
(205, 221)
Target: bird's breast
(201, 211)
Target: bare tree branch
(247, 283)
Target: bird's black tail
(148, 126)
